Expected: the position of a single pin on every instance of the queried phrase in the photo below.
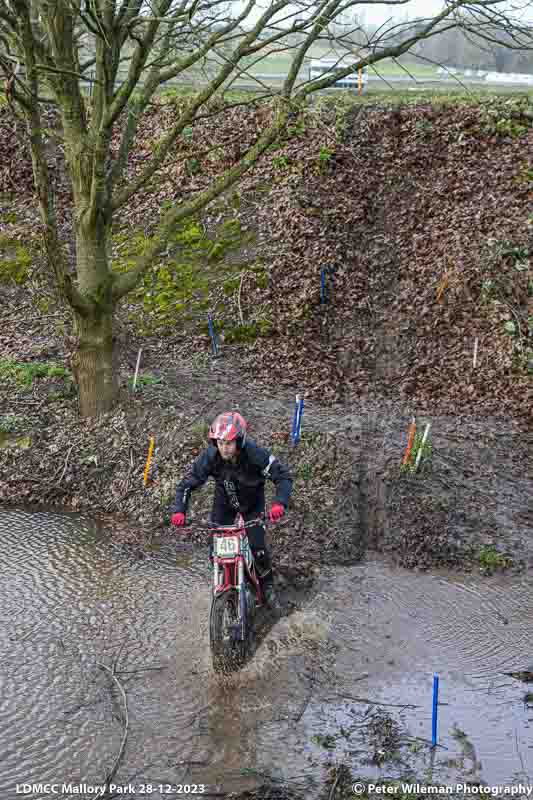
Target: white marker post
(137, 368)
(422, 443)
(475, 352)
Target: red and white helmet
(229, 426)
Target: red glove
(178, 519)
(276, 512)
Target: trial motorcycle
(237, 593)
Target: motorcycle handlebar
(213, 527)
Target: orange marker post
(410, 440)
(148, 460)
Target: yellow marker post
(443, 285)
(149, 459)
(359, 81)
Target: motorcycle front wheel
(228, 652)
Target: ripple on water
(395, 628)
(68, 602)
(483, 627)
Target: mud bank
(467, 506)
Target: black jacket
(243, 482)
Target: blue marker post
(435, 710)
(212, 334)
(300, 415)
(323, 294)
(297, 419)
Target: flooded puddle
(474, 633)
(366, 643)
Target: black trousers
(223, 513)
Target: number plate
(226, 546)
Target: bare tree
(477, 44)
(49, 49)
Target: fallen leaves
(406, 214)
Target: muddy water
(69, 602)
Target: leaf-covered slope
(424, 216)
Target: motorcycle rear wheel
(227, 654)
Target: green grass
(390, 68)
(10, 423)
(436, 96)
(280, 65)
(15, 260)
(269, 65)
(25, 373)
(9, 440)
(376, 90)
(380, 92)
(489, 559)
(274, 61)
(305, 472)
(145, 380)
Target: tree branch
(429, 30)
(163, 146)
(136, 67)
(113, 771)
(171, 37)
(59, 26)
(43, 184)
(57, 71)
(130, 129)
(129, 10)
(7, 17)
(125, 282)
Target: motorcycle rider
(239, 468)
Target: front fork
(242, 597)
(241, 592)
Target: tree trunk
(94, 364)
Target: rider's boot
(271, 598)
(264, 565)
